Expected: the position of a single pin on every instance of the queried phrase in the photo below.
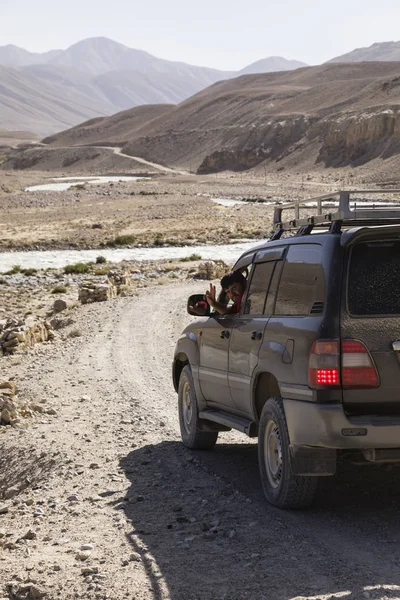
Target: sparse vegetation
(77, 268)
(101, 260)
(190, 258)
(121, 240)
(14, 270)
(29, 272)
(59, 289)
(100, 271)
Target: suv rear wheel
(280, 486)
(191, 434)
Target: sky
(224, 34)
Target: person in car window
(233, 287)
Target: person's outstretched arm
(222, 309)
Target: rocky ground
(170, 209)
(99, 499)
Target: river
(56, 259)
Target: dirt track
(164, 522)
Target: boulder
(211, 270)
(59, 305)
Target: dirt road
(117, 508)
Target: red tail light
(324, 364)
(351, 368)
(358, 370)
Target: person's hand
(210, 294)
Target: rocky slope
(331, 115)
(380, 51)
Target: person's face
(234, 291)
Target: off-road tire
(192, 436)
(281, 488)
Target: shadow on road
(203, 530)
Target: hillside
(381, 51)
(271, 65)
(115, 130)
(335, 115)
(96, 77)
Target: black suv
(311, 364)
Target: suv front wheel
(280, 486)
(191, 434)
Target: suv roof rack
(336, 210)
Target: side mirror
(198, 306)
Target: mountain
(13, 56)
(333, 114)
(383, 52)
(43, 100)
(96, 77)
(272, 64)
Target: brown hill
(116, 130)
(338, 114)
(380, 51)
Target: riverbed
(56, 259)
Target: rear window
(374, 279)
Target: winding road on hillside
(162, 522)
(117, 150)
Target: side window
(259, 284)
(302, 282)
(273, 288)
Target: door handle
(256, 335)
(225, 334)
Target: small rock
(30, 535)
(85, 398)
(59, 305)
(135, 557)
(94, 466)
(89, 571)
(83, 555)
(4, 508)
(73, 498)
(87, 547)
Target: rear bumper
(327, 426)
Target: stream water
(59, 258)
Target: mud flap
(307, 460)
